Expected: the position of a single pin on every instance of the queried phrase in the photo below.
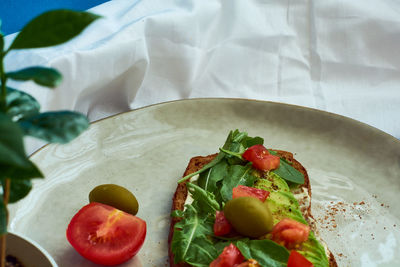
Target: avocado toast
(208, 188)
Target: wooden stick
(6, 196)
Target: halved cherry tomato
(221, 224)
(246, 191)
(230, 257)
(261, 158)
(105, 235)
(289, 233)
(298, 260)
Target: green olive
(249, 216)
(115, 196)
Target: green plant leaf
(48, 77)
(265, 252)
(19, 173)
(55, 127)
(52, 28)
(20, 104)
(12, 152)
(3, 218)
(18, 189)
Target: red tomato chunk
(105, 235)
(261, 158)
(221, 224)
(246, 191)
(290, 233)
(230, 257)
(298, 260)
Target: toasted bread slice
(303, 195)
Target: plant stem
(6, 196)
(3, 82)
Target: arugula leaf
(204, 199)
(235, 142)
(237, 175)
(190, 242)
(48, 77)
(266, 252)
(208, 180)
(252, 141)
(217, 159)
(287, 172)
(202, 253)
(177, 214)
(231, 153)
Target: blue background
(14, 14)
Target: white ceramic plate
(354, 170)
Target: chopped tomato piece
(246, 191)
(261, 158)
(221, 224)
(105, 235)
(298, 260)
(230, 257)
(290, 233)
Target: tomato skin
(221, 224)
(105, 235)
(246, 191)
(230, 257)
(261, 158)
(290, 233)
(298, 260)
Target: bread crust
(196, 163)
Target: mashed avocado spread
(283, 204)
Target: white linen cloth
(336, 55)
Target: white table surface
(335, 55)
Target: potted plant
(20, 113)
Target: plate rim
(324, 112)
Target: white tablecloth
(336, 55)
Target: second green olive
(249, 216)
(115, 196)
